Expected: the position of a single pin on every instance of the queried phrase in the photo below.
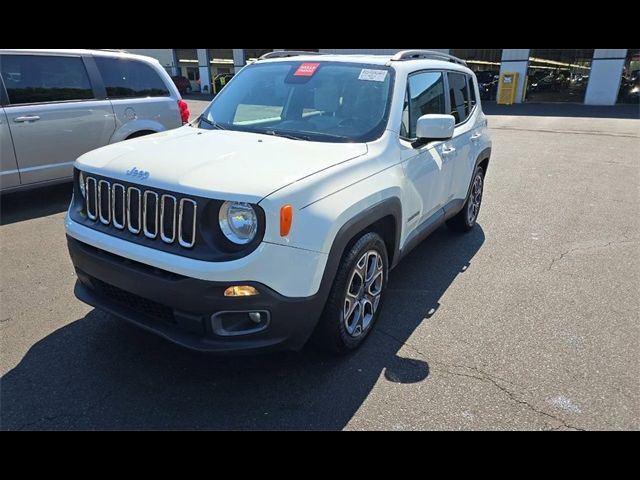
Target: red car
(183, 84)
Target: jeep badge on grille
(140, 174)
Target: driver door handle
(27, 118)
(448, 150)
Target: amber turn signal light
(240, 291)
(286, 218)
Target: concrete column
(205, 71)
(238, 59)
(174, 65)
(516, 60)
(605, 76)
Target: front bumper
(179, 308)
(304, 272)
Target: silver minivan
(56, 105)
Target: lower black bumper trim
(179, 308)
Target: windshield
(319, 101)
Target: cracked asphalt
(528, 322)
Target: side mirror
(435, 126)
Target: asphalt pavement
(197, 106)
(529, 321)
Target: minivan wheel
(140, 133)
(466, 218)
(355, 299)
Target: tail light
(184, 110)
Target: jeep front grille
(157, 216)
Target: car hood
(221, 164)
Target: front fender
(316, 224)
(356, 217)
(344, 231)
(134, 126)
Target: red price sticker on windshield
(306, 70)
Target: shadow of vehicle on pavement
(100, 373)
(40, 202)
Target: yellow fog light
(240, 291)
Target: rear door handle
(27, 118)
(476, 136)
(448, 150)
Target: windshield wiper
(332, 135)
(213, 123)
(286, 135)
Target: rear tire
(355, 300)
(466, 218)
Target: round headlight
(238, 222)
(81, 184)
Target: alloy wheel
(475, 199)
(363, 293)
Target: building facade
(589, 76)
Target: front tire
(466, 218)
(355, 299)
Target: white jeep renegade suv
(279, 212)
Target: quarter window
(472, 90)
(425, 94)
(130, 78)
(459, 96)
(42, 78)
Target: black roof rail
(286, 53)
(429, 54)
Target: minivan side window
(425, 94)
(125, 78)
(44, 78)
(459, 96)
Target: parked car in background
(580, 79)
(182, 84)
(488, 84)
(546, 83)
(56, 105)
(630, 89)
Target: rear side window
(42, 78)
(425, 95)
(472, 90)
(130, 78)
(459, 96)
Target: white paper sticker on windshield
(372, 75)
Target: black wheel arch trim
(385, 208)
(482, 156)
